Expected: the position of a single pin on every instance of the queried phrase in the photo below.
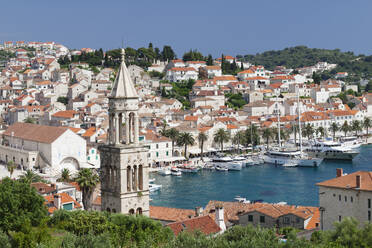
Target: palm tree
(185, 139)
(356, 127)
(334, 128)
(221, 136)
(65, 175)
(320, 131)
(87, 180)
(267, 135)
(202, 137)
(30, 177)
(239, 138)
(173, 135)
(308, 131)
(367, 124)
(293, 130)
(345, 128)
(11, 167)
(164, 125)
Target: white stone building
(346, 196)
(46, 147)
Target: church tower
(124, 166)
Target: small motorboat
(164, 172)
(221, 168)
(151, 180)
(154, 187)
(175, 171)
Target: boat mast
(251, 140)
(299, 116)
(277, 110)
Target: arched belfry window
(129, 177)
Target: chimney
(198, 211)
(358, 181)
(57, 201)
(339, 172)
(220, 218)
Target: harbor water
(269, 183)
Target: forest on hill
(358, 66)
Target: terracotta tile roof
(204, 129)
(225, 78)
(196, 62)
(230, 126)
(75, 129)
(170, 214)
(43, 188)
(213, 67)
(205, 224)
(76, 185)
(65, 198)
(34, 132)
(156, 138)
(349, 181)
(68, 114)
(256, 78)
(232, 210)
(183, 69)
(47, 82)
(90, 131)
(191, 118)
(246, 72)
(97, 201)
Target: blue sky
(229, 27)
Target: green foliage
(87, 180)
(4, 240)
(19, 204)
(221, 136)
(30, 177)
(62, 99)
(30, 120)
(185, 139)
(229, 68)
(235, 100)
(193, 55)
(156, 74)
(181, 91)
(298, 56)
(168, 54)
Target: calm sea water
(272, 184)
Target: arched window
(129, 176)
(134, 178)
(114, 210)
(140, 177)
(139, 211)
(108, 210)
(131, 211)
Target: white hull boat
(154, 187)
(164, 172)
(234, 166)
(176, 172)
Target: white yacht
(227, 162)
(331, 150)
(351, 142)
(281, 157)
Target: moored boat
(175, 171)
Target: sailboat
(305, 160)
(281, 156)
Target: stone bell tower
(124, 166)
